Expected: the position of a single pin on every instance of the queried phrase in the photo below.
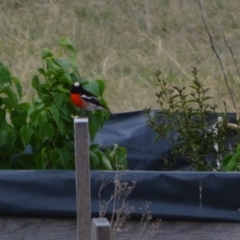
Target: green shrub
(46, 123)
(231, 162)
(189, 124)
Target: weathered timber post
(83, 196)
(100, 229)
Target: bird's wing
(93, 100)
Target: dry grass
(124, 42)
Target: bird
(85, 100)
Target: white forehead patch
(76, 84)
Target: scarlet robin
(84, 99)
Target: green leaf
(92, 130)
(8, 138)
(58, 98)
(2, 116)
(39, 105)
(4, 86)
(55, 114)
(65, 42)
(95, 156)
(48, 131)
(46, 53)
(206, 98)
(43, 151)
(65, 64)
(63, 90)
(41, 71)
(5, 75)
(53, 66)
(92, 87)
(50, 72)
(121, 158)
(41, 159)
(105, 163)
(34, 115)
(66, 77)
(101, 87)
(117, 157)
(18, 121)
(232, 163)
(94, 146)
(3, 137)
(44, 90)
(18, 118)
(231, 166)
(42, 120)
(99, 118)
(12, 98)
(65, 112)
(25, 133)
(94, 160)
(18, 86)
(54, 156)
(9, 104)
(238, 148)
(64, 157)
(103, 102)
(195, 147)
(35, 82)
(39, 162)
(226, 160)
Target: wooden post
(100, 229)
(83, 197)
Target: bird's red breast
(78, 101)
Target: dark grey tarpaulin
(175, 195)
(131, 131)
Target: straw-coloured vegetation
(125, 42)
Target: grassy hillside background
(124, 42)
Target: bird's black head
(77, 88)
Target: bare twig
(230, 50)
(116, 186)
(146, 218)
(217, 55)
(121, 209)
(236, 66)
(103, 205)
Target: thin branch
(230, 50)
(116, 186)
(217, 55)
(103, 205)
(237, 69)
